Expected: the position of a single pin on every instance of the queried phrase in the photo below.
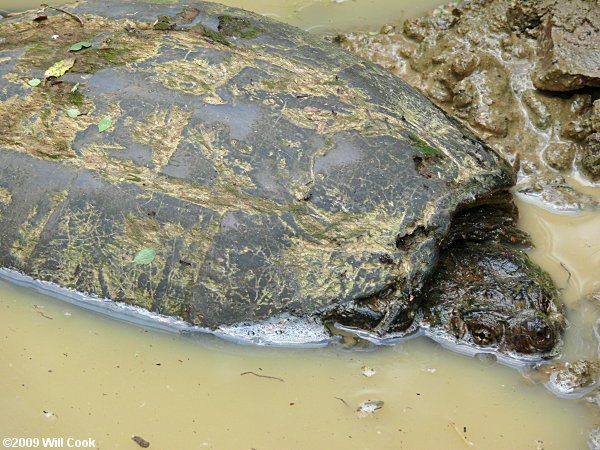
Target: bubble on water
(283, 330)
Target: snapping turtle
(209, 164)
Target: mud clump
(487, 62)
(568, 54)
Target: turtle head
(510, 332)
(490, 296)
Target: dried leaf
(79, 46)
(34, 82)
(73, 112)
(104, 124)
(145, 256)
(60, 68)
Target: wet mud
(482, 62)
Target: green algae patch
(426, 150)
(237, 27)
(210, 35)
(38, 124)
(42, 51)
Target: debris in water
(369, 407)
(262, 376)
(34, 82)
(38, 309)
(49, 414)
(463, 434)
(343, 401)
(594, 298)
(368, 371)
(140, 441)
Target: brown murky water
(316, 15)
(67, 372)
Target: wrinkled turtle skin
(248, 170)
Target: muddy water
(316, 15)
(67, 372)
(568, 247)
(71, 373)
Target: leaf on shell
(145, 256)
(34, 82)
(60, 68)
(104, 124)
(73, 113)
(80, 45)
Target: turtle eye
(483, 336)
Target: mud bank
(521, 74)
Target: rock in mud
(476, 61)
(568, 50)
(591, 155)
(569, 379)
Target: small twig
(568, 271)
(37, 309)
(343, 401)
(467, 442)
(15, 14)
(262, 376)
(64, 12)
